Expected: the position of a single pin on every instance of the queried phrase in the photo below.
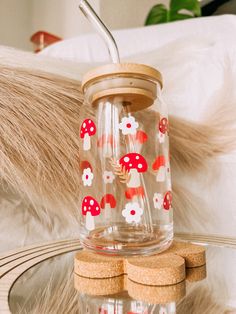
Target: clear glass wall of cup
(126, 200)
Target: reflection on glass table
(51, 287)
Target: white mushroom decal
(167, 203)
(87, 130)
(159, 166)
(134, 163)
(163, 129)
(90, 209)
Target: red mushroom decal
(87, 130)
(102, 311)
(133, 193)
(85, 164)
(133, 163)
(163, 129)
(138, 140)
(159, 166)
(107, 203)
(90, 209)
(167, 203)
(106, 143)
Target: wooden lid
(126, 69)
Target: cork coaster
(156, 294)
(193, 254)
(99, 287)
(159, 270)
(137, 291)
(196, 273)
(167, 268)
(93, 265)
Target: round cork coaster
(193, 254)
(158, 270)
(167, 268)
(196, 273)
(93, 265)
(115, 285)
(156, 294)
(99, 287)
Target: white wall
(19, 19)
(126, 13)
(15, 23)
(60, 17)
(63, 18)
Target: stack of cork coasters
(157, 278)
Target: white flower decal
(157, 200)
(132, 212)
(128, 125)
(108, 177)
(87, 177)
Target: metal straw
(92, 16)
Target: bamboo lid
(121, 69)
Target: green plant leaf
(192, 6)
(158, 14)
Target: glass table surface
(51, 287)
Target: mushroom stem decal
(90, 209)
(134, 163)
(159, 166)
(87, 129)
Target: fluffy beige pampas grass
(39, 154)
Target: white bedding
(91, 48)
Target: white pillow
(91, 48)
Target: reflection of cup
(126, 204)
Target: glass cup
(126, 199)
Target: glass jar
(126, 200)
